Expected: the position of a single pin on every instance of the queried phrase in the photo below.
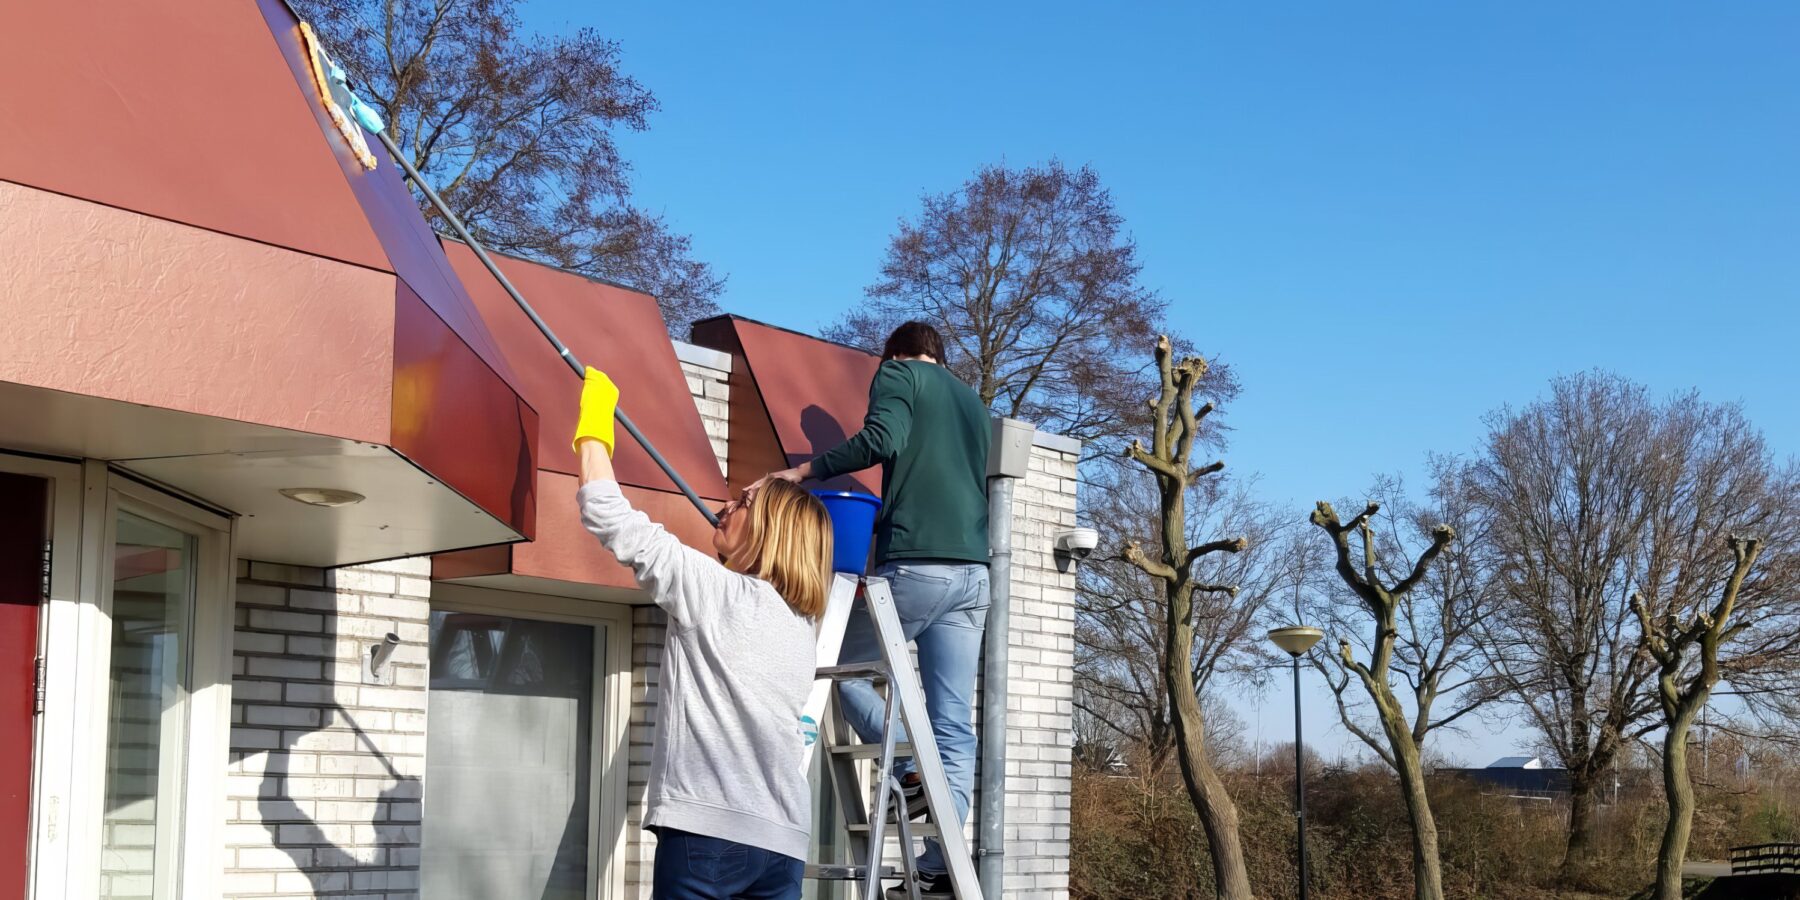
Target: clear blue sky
(1389, 217)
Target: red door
(23, 542)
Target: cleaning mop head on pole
(340, 103)
(335, 93)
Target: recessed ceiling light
(322, 496)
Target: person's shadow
(345, 839)
(328, 866)
(330, 853)
(823, 431)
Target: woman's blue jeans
(696, 867)
(943, 609)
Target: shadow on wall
(823, 431)
(331, 799)
(511, 703)
(313, 849)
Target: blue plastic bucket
(852, 528)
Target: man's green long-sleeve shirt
(929, 433)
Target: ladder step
(919, 829)
(833, 872)
(870, 751)
(852, 671)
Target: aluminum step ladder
(869, 828)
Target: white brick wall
(648, 629)
(326, 772)
(709, 381)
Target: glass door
(153, 596)
(510, 787)
(135, 708)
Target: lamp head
(1295, 639)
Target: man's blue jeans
(943, 608)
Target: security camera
(1077, 543)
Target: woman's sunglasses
(742, 500)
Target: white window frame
(68, 797)
(610, 781)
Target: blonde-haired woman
(727, 798)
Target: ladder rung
(852, 671)
(870, 751)
(832, 872)
(919, 829)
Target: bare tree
(1175, 424)
(1424, 630)
(1595, 493)
(1122, 612)
(1030, 276)
(1681, 694)
(515, 131)
(1566, 482)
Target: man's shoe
(914, 790)
(931, 887)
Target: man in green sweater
(929, 433)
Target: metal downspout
(991, 867)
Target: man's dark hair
(914, 339)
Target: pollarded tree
(1425, 633)
(1175, 424)
(1121, 612)
(1687, 657)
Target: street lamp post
(1296, 640)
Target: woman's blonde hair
(788, 544)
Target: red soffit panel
(182, 111)
(458, 420)
(610, 328)
(816, 392)
(564, 550)
(412, 248)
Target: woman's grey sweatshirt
(736, 672)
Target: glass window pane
(508, 758)
(153, 586)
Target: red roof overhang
(793, 397)
(621, 332)
(206, 287)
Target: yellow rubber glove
(599, 399)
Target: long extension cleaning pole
(561, 349)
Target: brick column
(1041, 672)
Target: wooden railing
(1766, 858)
